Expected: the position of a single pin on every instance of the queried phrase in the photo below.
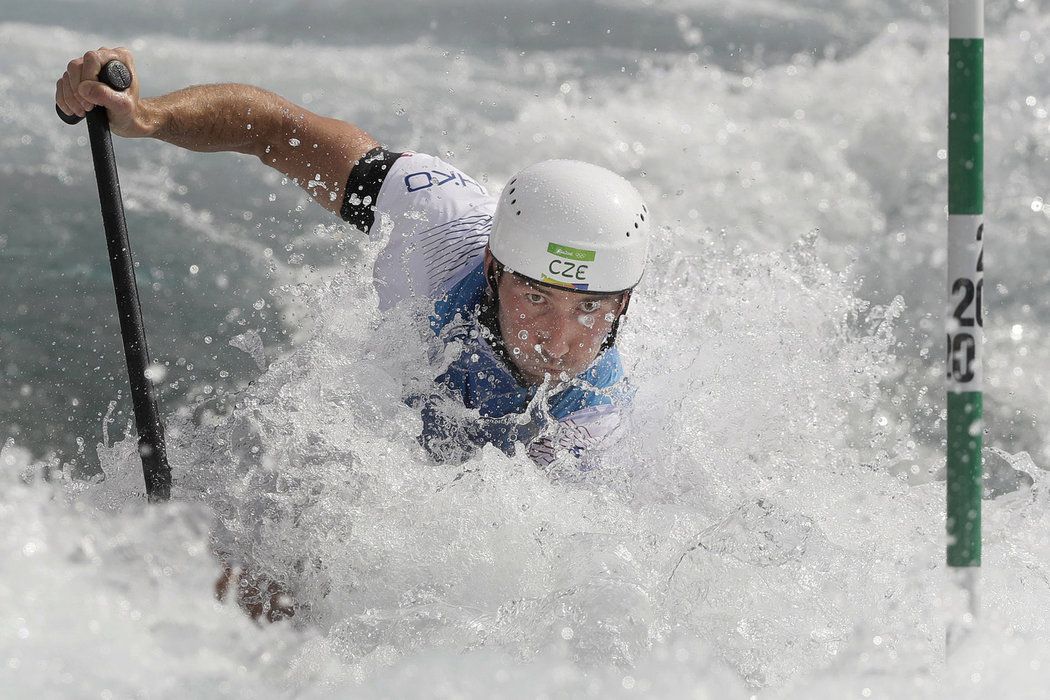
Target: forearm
(316, 152)
(226, 117)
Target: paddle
(143, 394)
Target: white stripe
(966, 19)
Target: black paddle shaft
(143, 394)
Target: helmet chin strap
(610, 339)
(489, 317)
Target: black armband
(362, 187)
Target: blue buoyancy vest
(480, 401)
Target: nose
(555, 337)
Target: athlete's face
(550, 331)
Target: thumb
(104, 96)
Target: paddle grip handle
(114, 74)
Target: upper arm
(440, 220)
(316, 152)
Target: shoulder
(434, 222)
(422, 188)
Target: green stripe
(564, 251)
(965, 126)
(965, 439)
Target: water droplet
(523, 335)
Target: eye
(534, 298)
(590, 306)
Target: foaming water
(770, 524)
(759, 545)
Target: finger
(73, 70)
(60, 98)
(92, 65)
(73, 98)
(74, 74)
(96, 93)
(65, 100)
(222, 584)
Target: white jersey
(441, 221)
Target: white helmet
(573, 225)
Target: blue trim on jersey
(481, 381)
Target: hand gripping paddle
(143, 394)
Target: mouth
(539, 364)
(542, 365)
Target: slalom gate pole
(143, 394)
(965, 291)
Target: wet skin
(551, 331)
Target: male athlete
(528, 291)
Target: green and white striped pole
(965, 285)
